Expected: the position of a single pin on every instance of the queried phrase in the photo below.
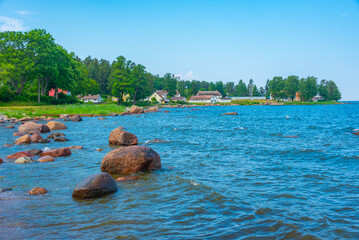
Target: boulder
(63, 116)
(123, 138)
(356, 133)
(230, 113)
(19, 154)
(60, 152)
(34, 132)
(1, 161)
(29, 126)
(129, 160)
(54, 135)
(44, 128)
(25, 119)
(37, 118)
(44, 140)
(35, 151)
(26, 139)
(60, 139)
(18, 134)
(75, 118)
(49, 119)
(135, 110)
(76, 147)
(54, 125)
(10, 127)
(22, 160)
(35, 138)
(46, 159)
(37, 191)
(96, 185)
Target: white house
(203, 99)
(92, 98)
(160, 96)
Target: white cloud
(189, 75)
(23, 12)
(178, 75)
(11, 24)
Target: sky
(211, 40)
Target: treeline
(32, 63)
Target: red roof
(52, 91)
(201, 97)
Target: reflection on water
(223, 177)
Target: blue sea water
(270, 172)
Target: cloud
(11, 24)
(189, 75)
(23, 12)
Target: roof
(215, 93)
(201, 97)
(161, 93)
(91, 97)
(177, 98)
(52, 91)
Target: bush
(5, 94)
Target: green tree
(276, 88)
(229, 87)
(291, 86)
(241, 89)
(307, 88)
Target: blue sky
(208, 40)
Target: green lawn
(56, 110)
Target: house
(92, 98)
(317, 98)
(125, 96)
(203, 99)
(177, 94)
(160, 96)
(214, 93)
(175, 99)
(52, 92)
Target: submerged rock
(60, 152)
(22, 160)
(10, 127)
(76, 147)
(126, 178)
(46, 159)
(129, 160)
(37, 191)
(99, 149)
(230, 113)
(123, 138)
(356, 133)
(54, 125)
(26, 139)
(19, 154)
(1, 161)
(60, 139)
(96, 185)
(54, 135)
(18, 134)
(8, 145)
(44, 140)
(166, 111)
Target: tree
(170, 83)
(250, 87)
(220, 88)
(291, 86)
(119, 80)
(241, 89)
(307, 88)
(276, 88)
(16, 59)
(229, 87)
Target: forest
(32, 63)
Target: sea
(270, 172)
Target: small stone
(99, 149)
(46, 159)
(25, 119)
(60, 152)
(126, 178)
(35, 151)
(44, 140)
(75, 118)
(10, 127)
(166, 111)
(54, 135)
(356, 133)
(101, 118)
(37, 191)
(230, 113)
(23, 160)
(1, 161)
(18, 134)
(8, 145)
(36, 138)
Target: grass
(310, 103)
(56, 110)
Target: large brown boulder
(129, 160)
(36, 138)
(123, 138)
(54, 125)
(33, 127)
(19, 155)
(26, 139)
(60, 152)
(96, 185)
(135, 110)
